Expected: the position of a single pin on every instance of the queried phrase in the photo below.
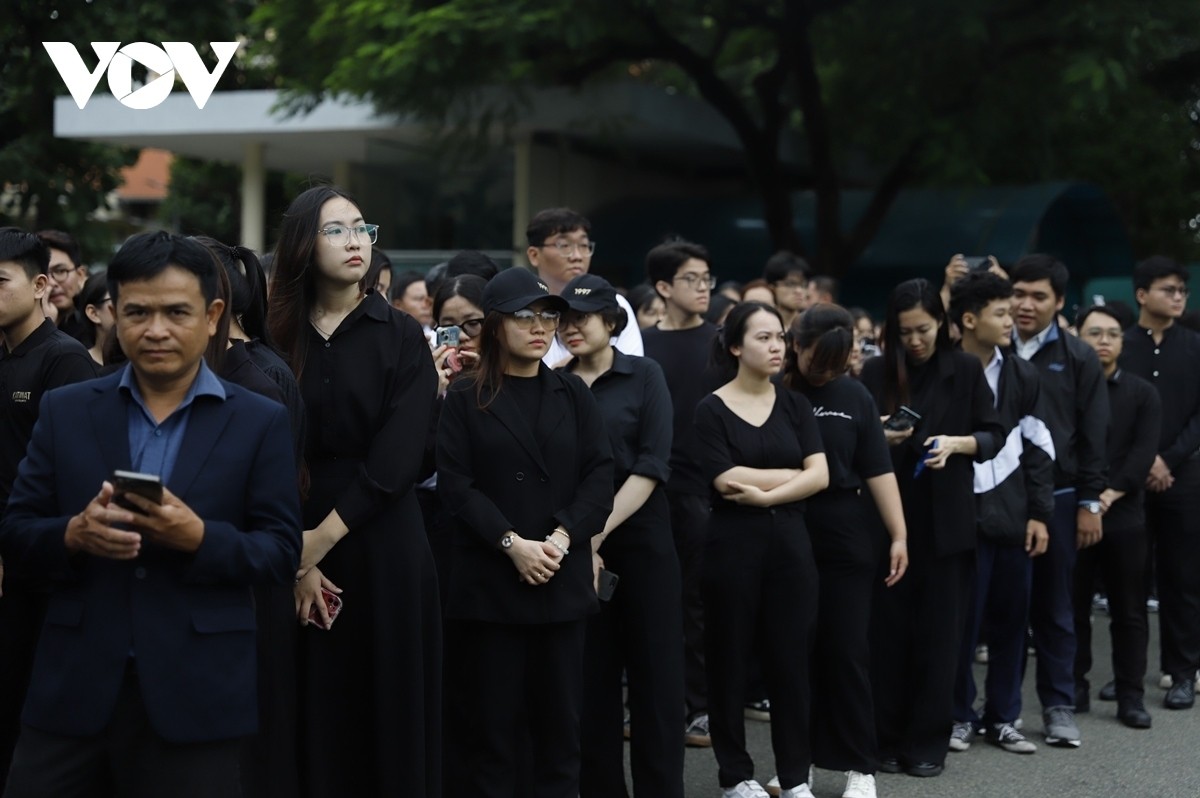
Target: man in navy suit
(144, 678)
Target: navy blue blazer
(188, 618)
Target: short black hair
(57, 239)
(24, 248)
(826, 284)
(663, 262)
(1082, 316)
(470, 261)
(1032, 268)
(974, 291)
(641, 296)
(1154, 268)
(402, 281)
(551, 222)
(147, 255)
(783, 263)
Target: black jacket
(493, 476)
(1076, 406)
(1132, 446)
(1018, 483)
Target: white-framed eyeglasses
(565, 248)
(339, 235)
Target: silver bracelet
(550, 539)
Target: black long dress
(370, 717)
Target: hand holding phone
(451, 336)
(607, 585)
(333, 606)
(903, 419)
(924, 457)
(148, 486)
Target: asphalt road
(1162, 762)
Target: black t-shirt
(684, 356)
(48, 358)
(527, 391)
(850, 430)
(726, 440)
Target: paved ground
(1162, 762)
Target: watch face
(506, 541)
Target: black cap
(516, 288)
(588, 293)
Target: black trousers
(516, 695)
(847, 544)
(21, 612)
(760, 597)
(128, 760)
(1174, 518)
(917, 630)
(638, 632)
(689, 526)
(1120, 560)
(1051, 610)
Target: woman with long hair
(943, 419)
(846, 541)
(762, 453)
(525, 469)
(370, 682)
(97, 309)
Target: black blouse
(369, 391)
(784, 440)
(850, 430)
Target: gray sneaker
(960, 736)
(1007, 737)
(1060, 727)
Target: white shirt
(991, 373)
(629, 341)
(1027, 349)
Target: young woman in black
(638, 630)
(370, 683)
(762, 454)
(843, 523)
(918, 623)
(525, 469)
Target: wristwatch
(506, 542)
(1092, 507)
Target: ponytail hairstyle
(910, 294)
(733, 333)
(830, 328)
(293, 283)
(247, 287)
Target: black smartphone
(977, 263)
(608, 585)
(148, 486)
(902, 419)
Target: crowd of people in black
(489, 526)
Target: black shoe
(1108, 692)
(1083, 701)
(924, 769)
(1132, 712)
(1182, 695)
(890, 764)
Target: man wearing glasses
(67, 276)
(1160, 351)
(787, 274)
(560, 249)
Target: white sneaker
(801, 791)
(859, 785)
(773, 787)
(746, 789)
(1166, 682)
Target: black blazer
(493, 477)
(960, 403)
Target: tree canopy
(884, 95)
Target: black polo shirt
(48, 358)
(1173, 367)
(1136, 415)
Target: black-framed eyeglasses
(60, 273)
(1174, 290)
(565, 248)
(472, 327)
(525, 318)
(697, 281)
(339, 235)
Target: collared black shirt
(1173, 367)
(636, 407)
(1132, 444)
(48, 358)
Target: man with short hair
(682, 345)
(1120, 557)
(787, 275)
(1168, 357)
(1015, 491)
(822, 289)
(409, 294)
(35, 358)
(560, 249)
(67, 275)
(1075, 402)
(144, 682)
